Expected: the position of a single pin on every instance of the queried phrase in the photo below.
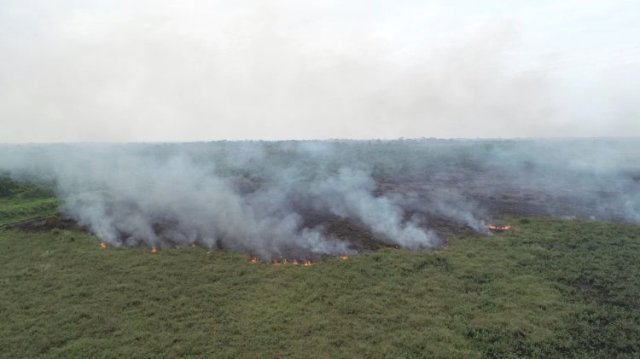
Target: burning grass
(498, 228)
(551, 288)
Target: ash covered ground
(307, 199)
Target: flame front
(285, 261)
(344, 258)
(154, 249)
(496, 228)
(103, 245)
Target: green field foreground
(547, 288)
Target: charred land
(310, 199)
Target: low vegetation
(20, 200)
(547, 288)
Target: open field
(555, 285)
(319, 179)
(547, 288)
(20, 201)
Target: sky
(154, 70)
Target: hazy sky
(153, 70)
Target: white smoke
(130, 195)
(258, 197)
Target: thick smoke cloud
(201, 70)
(279, 199)
(139, 194)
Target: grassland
(548, 288)
(20, 200)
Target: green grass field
(20, 201)
(548, 288)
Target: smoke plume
(280, 199)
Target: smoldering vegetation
(305, 199)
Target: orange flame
(154, 249)
(344, 258)
(496, 228)
(103, 245)
(285, 261)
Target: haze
(113, 71)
